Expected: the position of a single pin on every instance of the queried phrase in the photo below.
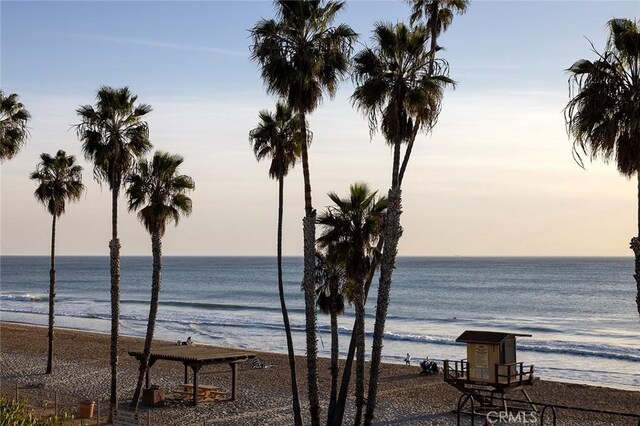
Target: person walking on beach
(407, 360)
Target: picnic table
(196, 357)
(205, 393)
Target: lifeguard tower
(491, 369)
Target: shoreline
(105, 333)
(82, 370)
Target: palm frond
(394, 88)
(113, 134)
(59, 180)
(351, 228)
(158, 192)
(278, 136)
(603, 114)
(302, 56)
(14, 131)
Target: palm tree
(13, 125)
(159, 193)
(603, 115)
(280, 138)
(438, 15)
(59, 180)
(396, 90)
(352, 228)
(330, 291)
(302, 58)
(114, 135)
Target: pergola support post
(195, 368)
(234, 379)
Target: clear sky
(496, 177)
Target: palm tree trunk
(52, 294)
(156, 249)
(635, 246)
(309, 234)
(392, 234)
(114, 247)
(435, 11)
(335, 352)
(359, 334)
(297, 414)
(341, 403)
(338, 415)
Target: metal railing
(546, 407)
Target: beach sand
(82, 372)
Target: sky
(495, 177)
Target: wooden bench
(205, 393)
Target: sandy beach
(81, 372)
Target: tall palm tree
(13, 125)
(280, 136)
(59, 180)
(603, 115)
(158, 192)
(352, 227)
(114, 135)
(438, 16)
(330, 290)
(302, 58)
(395, 90)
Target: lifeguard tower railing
(506, 375)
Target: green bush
(14, 413)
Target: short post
(234, 380)
(55, 403)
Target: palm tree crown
(394, 85)
(13, 125)
(301, 54)
(352, 228)
(603, 115)
(113, 134)
(330, 280)
(156, 188)
(279, 137)
(438, 13)
(60, 179)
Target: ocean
(580, 312)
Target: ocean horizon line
(254, 256)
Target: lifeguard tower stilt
(490, 370)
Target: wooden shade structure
(195, 357)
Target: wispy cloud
(160, 44)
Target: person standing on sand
(407, 360)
